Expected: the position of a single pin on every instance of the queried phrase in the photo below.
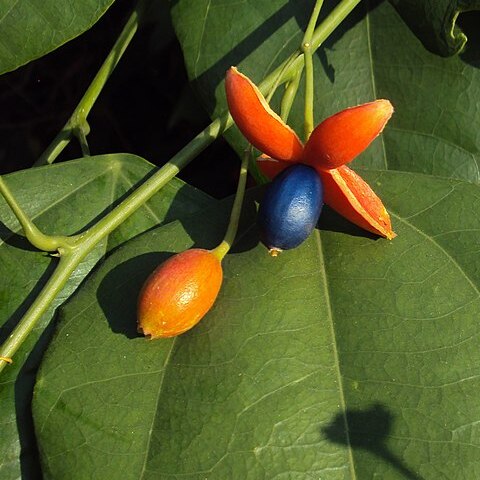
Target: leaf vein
(335, 352)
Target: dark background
(147, 106)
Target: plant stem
(38, 239)
(322, 32)
(77, 124)
(122, 211)
(334, 19)
(82, 110)
(289, 95)
(308, 58)
(232, 228)
(51, 289)
(280, 73)
(82, 244)
(81, 133)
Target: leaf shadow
(368, 430)
(355, 17)
(26, 375)
(298, 10)
(247, 237)
(331, 221)
(24, 384)
(14, 239)
(118, 291)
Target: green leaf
(345, 358)
(435, 22)
(62, 199)
(372, 55)
(32, 29)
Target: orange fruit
(179, 292)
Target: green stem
(84, 243)
(322, 32)
(38, 239)
(51, 289)
(232, 228)
(334, 19)
(257, 175)
(81, 133)
(77, 123)
(290, 94)
(308, 56)
(122, 211)
(280, 73)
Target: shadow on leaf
(300, 11)
(368, 430)
(333, 222)
(118, 291)
(25, 376)
(14, 239)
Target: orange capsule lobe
(350, 196)
(343, 136)
(178, 294)
(261, 126)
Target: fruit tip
(386, 106)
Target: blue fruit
(290, 208)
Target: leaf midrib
(372, 74)
(155, 412)
(338, 372)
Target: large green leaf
(32, 29)
(345, 358)
(62, 199)
(372, 55)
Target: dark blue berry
(290, 208)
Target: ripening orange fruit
(179, 292)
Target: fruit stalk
(232, 228)
(307, 50)
(180, 291)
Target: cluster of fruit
(181, 291)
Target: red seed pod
(343, 136)
(178, 293)
(349, 195)
(257, 121)
(332, 144)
